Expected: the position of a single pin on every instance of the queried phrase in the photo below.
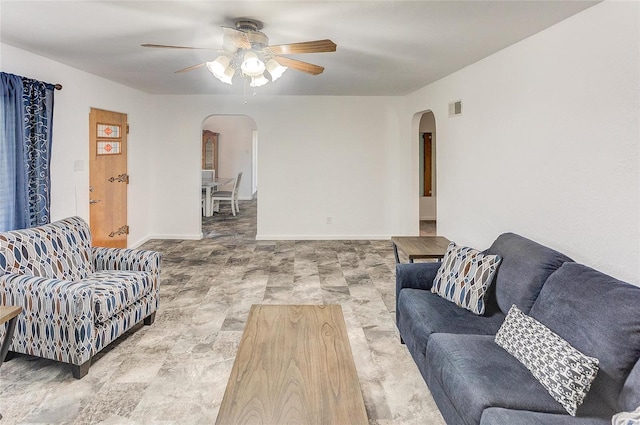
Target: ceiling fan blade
(165, 46)
(191, 68)
(318, 46)
(309, 68)
(239, 38)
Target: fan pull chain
(244, 91)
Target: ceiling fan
(247, 49)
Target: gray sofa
(475, 381)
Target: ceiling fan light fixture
(252, 65)
(228, 75)
(218, 66)
(258, 81)
(275, 69)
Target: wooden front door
(108, 178)
(427, 145)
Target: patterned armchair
(76, 298)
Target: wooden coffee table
(294, 366)
(420, 246)
(8, 314)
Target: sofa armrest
(126, 259)
(416, 275)
(56, 320)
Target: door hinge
(127, 128)
(121, 178)
(124, 230)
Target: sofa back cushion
(60, 250)
(525, 267)
(629, 399)
(598, 315)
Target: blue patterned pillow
(464, 277)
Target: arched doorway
(236, 150)
(427, 175)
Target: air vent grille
(455, 108)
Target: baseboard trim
(270, 238)
(139, 243)
(322, 237)
(190, 237)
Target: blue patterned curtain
(26, 118)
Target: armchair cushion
(114, 291)
(59, 309)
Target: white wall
(428, 203)
(81, 91)
(548, 147)
(548, 143)
(234, 148)
(319, 157)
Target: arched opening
(230, 147)
(427, 175)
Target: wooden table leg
(207, 201)
(8, 336)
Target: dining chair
(231, 196)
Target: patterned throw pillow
(565, 372)
(465, 276)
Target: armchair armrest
(126, 259)
(56, 320)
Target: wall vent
(455, 108)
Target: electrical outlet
(329, 220)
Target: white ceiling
(384, 47)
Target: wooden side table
(8, 314)
(420, 247)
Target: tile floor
(175, 371)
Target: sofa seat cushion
(475, 373)
(598, 315)
(500, 416)
(424, 313)
(114, 291)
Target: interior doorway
(427, 175)
(236, 151)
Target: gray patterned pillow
(565, 372)
(465, 276)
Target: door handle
(94, 201)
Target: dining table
(209, 186)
